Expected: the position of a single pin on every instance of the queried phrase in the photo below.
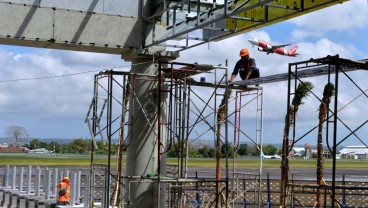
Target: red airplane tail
(292, 51)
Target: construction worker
(246, 67)
(64, 191)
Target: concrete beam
(126, 8)
(29, 25)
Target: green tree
(204, 151)
(65, 148)
(173, 151)
(243, 149)
(212, 152)
(43, 145)
(254, 151)
(229, 149)
(34, 144)
(176, 149)
(79, 146)
(54, 146)
(102, 148)
(270, 150)
(193, 151)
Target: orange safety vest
(66, 197)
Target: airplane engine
(261, 49)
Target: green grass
(84, 161)
(49, 160)
(254, 163)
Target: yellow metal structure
(273, 12)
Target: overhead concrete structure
(147, 26)
(113, 27)
(82, 26)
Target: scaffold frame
(335, 66)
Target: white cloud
(324, 47)
(299, 34)
(51, 102)
(342, 17)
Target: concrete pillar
(142, 152)
(14, 176)
(6, 177)
(20, 188)
(78, 183)
(55, 180)
(29, 177)
(87, 192)
(47, 184)
(38, 182)
(73, 188)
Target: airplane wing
(280, 46)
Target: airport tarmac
(350, 174)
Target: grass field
(84, 161)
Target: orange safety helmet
(244, 52)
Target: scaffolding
(333, 66)
(190, 115)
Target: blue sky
(56, 108)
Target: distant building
(39, 151)
(12, 149)
(298, 151)
(354, 152)
(306, 152)
(4, 145)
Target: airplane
(279, 49)
(277, 157)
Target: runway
(350, 174)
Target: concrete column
(38, 182)
(73, 188)
(87, 192)
(6, 177)
(55, 180)
(78, 183)
(20, 188)
(14, 176)
(29, 178)
(142, 153)
(47, 184)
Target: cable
(68, 75)
(49, 77)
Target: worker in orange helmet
(64, 191)
(246, 67)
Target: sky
(56, 107)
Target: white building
(354, 152)
(39, 151)
(298, 151)
(4, 145)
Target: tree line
(84, 146)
